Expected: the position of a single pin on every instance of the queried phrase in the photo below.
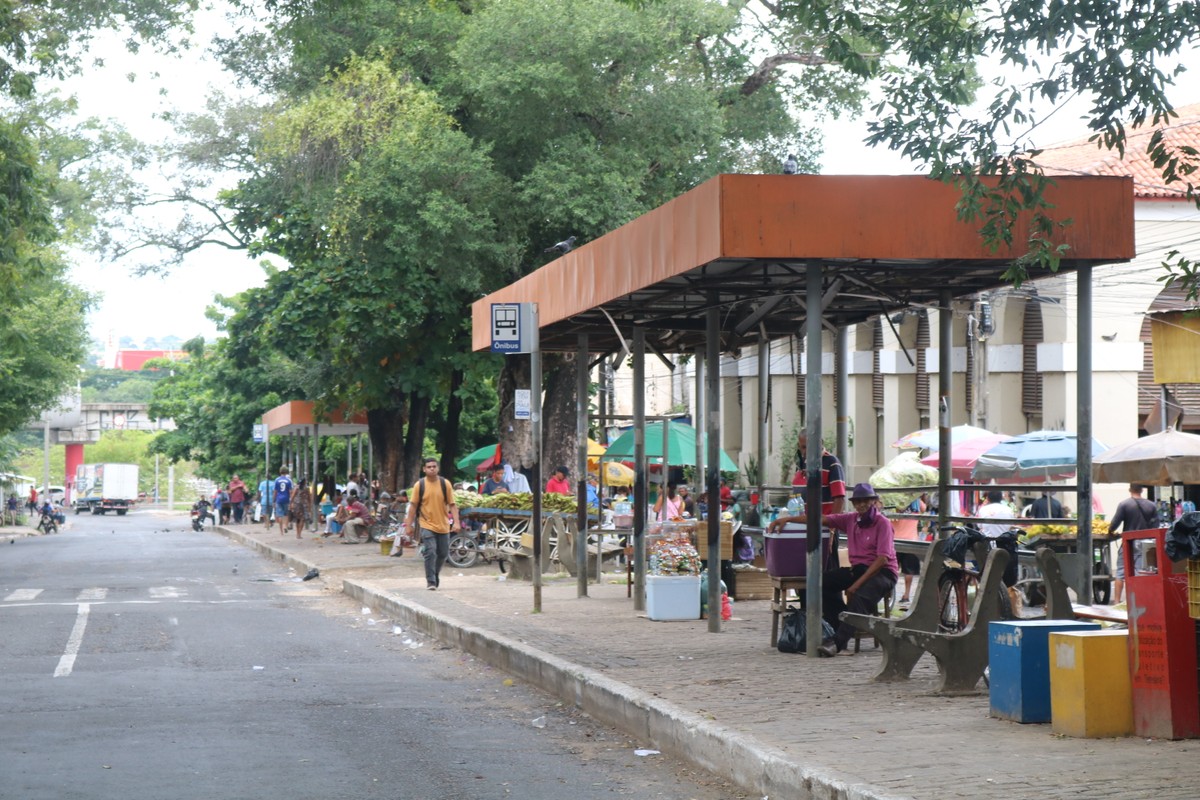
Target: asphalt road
(142, 660)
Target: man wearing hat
(873, 568)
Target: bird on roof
(565, 246)
(790, 165)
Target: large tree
(1116, 57)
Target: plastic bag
(1183, 539)
(793, 639)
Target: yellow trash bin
(1090, 689)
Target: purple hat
(863, 491)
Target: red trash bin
(1162, 643)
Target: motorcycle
(200, 513)
(47, 524)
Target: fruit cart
(1062, 540)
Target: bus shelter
(744, 259)
(297, 422)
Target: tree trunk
(387, 438)
(559, 438)
(516, 443)
(448, 435)
(414, 441)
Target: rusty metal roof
(741, 243)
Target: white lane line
(67, 662)
(95, 593)
(166, 592)
(23, 594)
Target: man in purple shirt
(873, 568)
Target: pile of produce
(904, 470)
(464, 499)
(1099, 528)
(673, 554)
(517, 501)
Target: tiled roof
(1081, 157)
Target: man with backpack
(432, 507)
(1134, 513)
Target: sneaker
(431, 587)
(828, 649)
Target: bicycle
(959, 582)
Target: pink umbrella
(963, 456)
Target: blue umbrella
(1041, 454)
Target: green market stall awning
(681, 445)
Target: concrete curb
(683, 734)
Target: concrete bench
(1058, 600)
(899, 655)
(962, 657)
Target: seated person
(202, 506)
(873, 568)
(358, 519)
(496, 483)
(593, 492)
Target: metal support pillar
(1083, 430)
(764, 411)
(316, 438)
(581, 428)
(640, 494)
(697, 421)
(812, 464)
(712, 482)
(945, 380)
(841, 374)
(535, 426)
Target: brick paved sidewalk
(825, 715)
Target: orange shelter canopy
(741, 243)
(296, 416)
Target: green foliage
(923, 54)
(119, 386)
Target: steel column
(581, 428)
(712, 427)
(812, 464)
(945, 380)
(1083, 430)
(640, 495)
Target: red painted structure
(1162, 645)
(134, 360)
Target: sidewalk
(782, 725)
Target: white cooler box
(670, 597)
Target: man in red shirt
(558, 482)
(833, 478)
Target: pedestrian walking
(433, 509)
(237, 498)
(283, 496)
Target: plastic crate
(1193, 587)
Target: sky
(175, 303)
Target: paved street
(142, 660)
(730, 701)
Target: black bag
(792, 638)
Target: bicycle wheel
(952, 601)
(464, 552)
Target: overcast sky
(174, 304)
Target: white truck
(105, 487)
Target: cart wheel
(952, 601)
(464, 552)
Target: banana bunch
(1099, 527)
(1052, 530)
(511, 501)
(464, 499)
(563, 503)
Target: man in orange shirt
(432, 507)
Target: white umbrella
(1156, 460)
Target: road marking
(67, 662)
(166, 592)
(95, 593)
(23, 594)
